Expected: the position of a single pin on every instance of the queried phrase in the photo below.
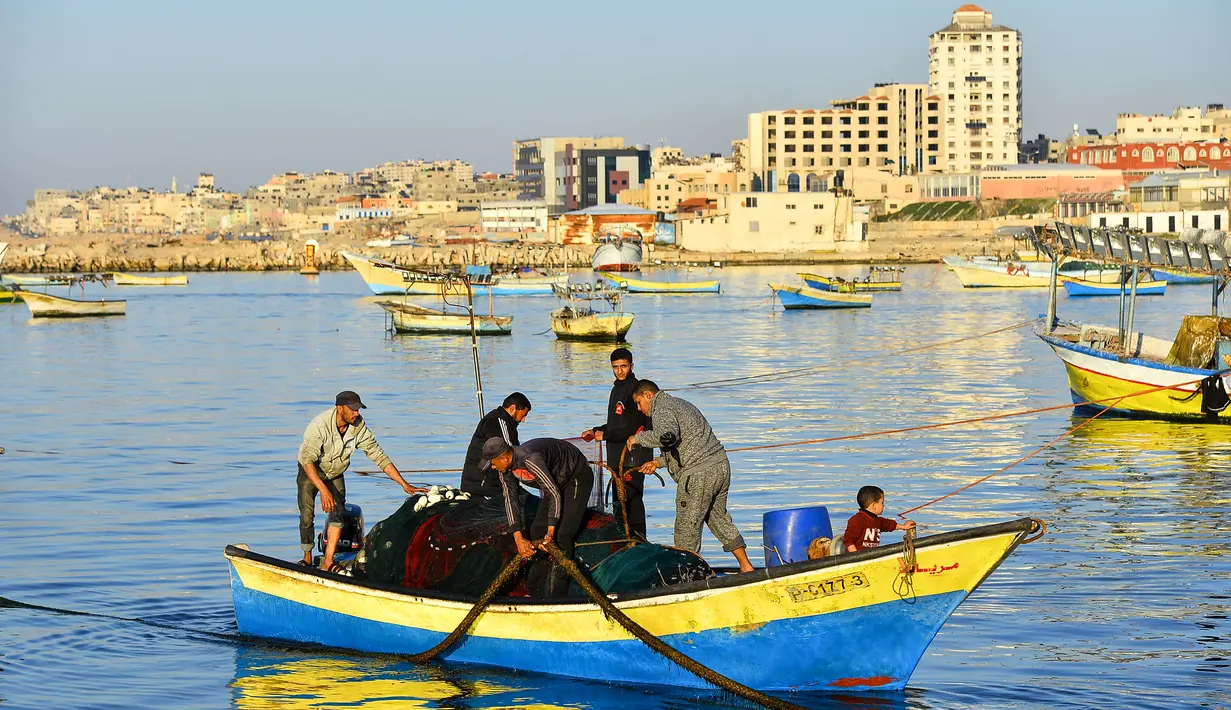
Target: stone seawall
(920, 242)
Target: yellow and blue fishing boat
(633, 285)
(804, 298)
(797, 626)
(879, 278)
(1128, 372)
(1079, 288)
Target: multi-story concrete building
(519, 216)
(976, 69)
(548, 169)
(1185, 124)
(1042, 150)
(765, 222)
(1146, 158)
(897, 128)
(606, 172)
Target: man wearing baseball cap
(562, 473)
(328, 442)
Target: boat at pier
(1130, 373)
(790, 627)
(123, 279)
(879, 278)
(634, 285)
(804, 298)
(618, 252)
(580, 319)
(411, 319)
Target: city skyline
(94, 96)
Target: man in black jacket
(501, 422)
(623, 420)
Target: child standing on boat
(865, 527)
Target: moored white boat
(618, 254)
(1009, 274)
(44, 305)
(123, 279)
(388, 279)
(417, 320)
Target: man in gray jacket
(697, 463)
(328, 442)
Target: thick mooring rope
(464, 628)
(660, 647)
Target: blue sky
(132, 93)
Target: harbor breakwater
(92, 254)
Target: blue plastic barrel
(786, 534)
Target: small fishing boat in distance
(417, 320)
(879, 278)
(651, 286)
(578, 319)
(44, 305)
(1081, 288)
(804, 298)
(1176, 277)
(122, 279)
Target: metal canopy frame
(1141, 250)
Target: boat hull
(122, 279)
(1099, 376)
(43, 305)
(595, 326)
(387, 280)
(796, 627)
(414, 320)
(1181, 278)
(1079, 288)
(803, 298)
(617, 256)
(974, 273)
(826, 283)
(648, 286)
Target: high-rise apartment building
(549, 169)
(976, 69)
(895, 128)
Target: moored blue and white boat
(1177, 277)
(793, 627)
(802, 297)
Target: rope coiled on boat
(709, 675)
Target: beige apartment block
(975, 67)
(685, 179)
(896, 128)
(1186, 124)
(777, 222)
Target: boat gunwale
(1102, 355)
(1021, 526)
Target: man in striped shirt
(561, 472)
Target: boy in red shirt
(865, 527)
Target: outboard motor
(352, 532)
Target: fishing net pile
(460, 546)
(1196, 343)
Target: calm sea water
(138, 447)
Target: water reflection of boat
(772, 630)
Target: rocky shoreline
(94, 254)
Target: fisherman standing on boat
(328, 442)
(562, 473)
(501, 422)
(698, 464)
(624, 420)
